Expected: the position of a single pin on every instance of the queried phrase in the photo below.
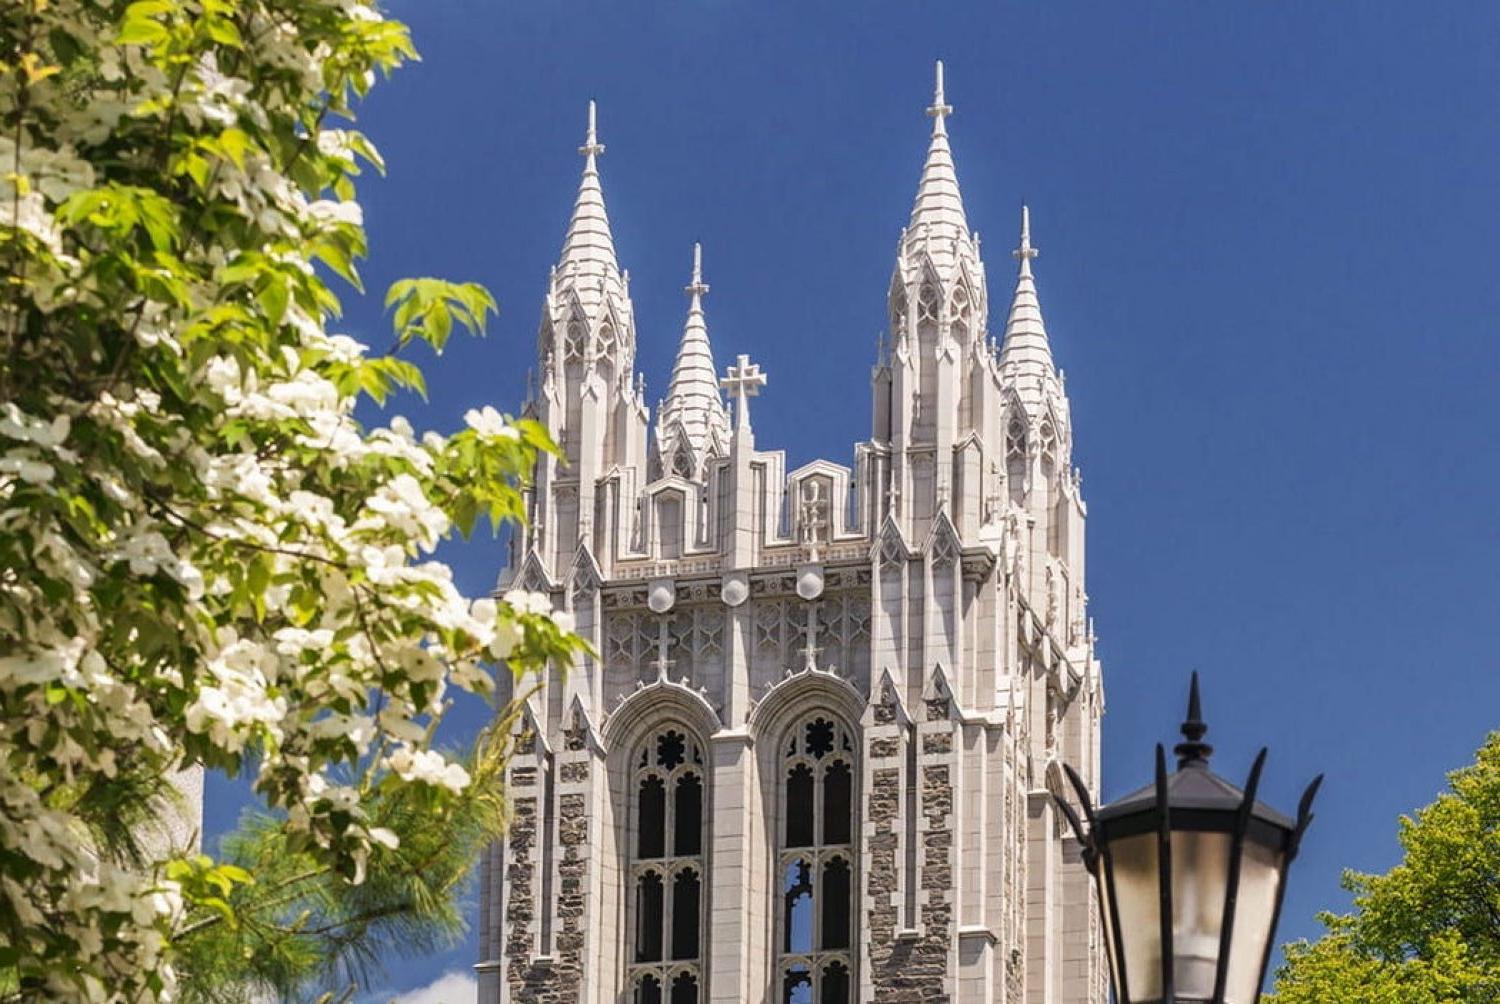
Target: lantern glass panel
(1260, 876)
(1200, 879)
(1137, 888)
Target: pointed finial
(1025, 252)
(697, 287)
(940, 109)
(1194, 752)
(591, 145)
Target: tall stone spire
(587, 396)
(939, 205)
(1025, 352)
(930, 386)
(692, 418)
(588, 261)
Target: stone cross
(743, 381)
(812, 513)
(810, 654)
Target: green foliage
(1427, 931)
(206, 561)
(276, 922)
(427, 308)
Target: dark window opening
(835, 984)
(652, 839)
(835, 904)
(685, 989)
(648, 918)
(799, 806)
(819, 738)
(797, 900)
(838, 790)
(671, 750)
(687, 836)
(648, 990)
(685, 916)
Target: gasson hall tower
(812, 763)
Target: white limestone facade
(812, 762)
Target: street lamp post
(1191, 872)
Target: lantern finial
(1194, 752)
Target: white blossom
(488, 422)
(429, 767)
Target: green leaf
(273, 297)
(223, 31)
(235, 142)
(141, 31)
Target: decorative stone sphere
(735, 589)
(810, 581)
(660, 595)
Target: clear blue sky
(1270, 237)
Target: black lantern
(1191, 872)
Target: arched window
(927, 304)
(816, 874)
(1015, 459)
(1049, 448)
(959, 312)
(666, 869)
(575, 340)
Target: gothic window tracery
(619, 647)
(668, 785)
(927, 304)
(959, 312)
(816, 863)
(1048, 438)
(892, 554)
(944, 550)
(680, 647)
(768, 626)
(1015, 459)
(574, 341)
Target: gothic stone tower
(812, 763)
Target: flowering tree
(205, 560)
